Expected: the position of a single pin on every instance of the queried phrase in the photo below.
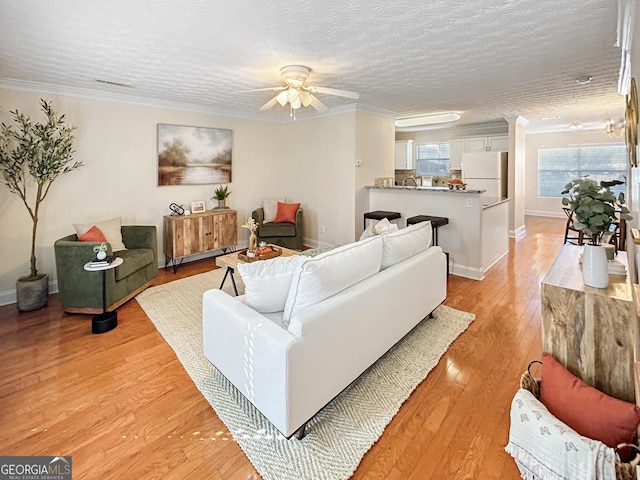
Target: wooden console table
(198, 233)
(591, 331)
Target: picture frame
(193, 155)
(197, 207)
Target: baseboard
(467, 272)
(521, 230)
(544, 213)
(8, 297)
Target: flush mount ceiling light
(584, 80)
(431, 119)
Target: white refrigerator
(486, 171)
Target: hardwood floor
(122, 405)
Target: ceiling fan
(297, 94)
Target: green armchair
(288, 235)
(80, 291)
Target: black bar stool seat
(435, 223)
(379, 215)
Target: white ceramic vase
(594, 266)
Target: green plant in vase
(32, 156)
(595, 208)
(220, 194)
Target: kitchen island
(477, 234)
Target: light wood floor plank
(124, 407)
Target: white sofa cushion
(267, 282)
(270, 209)
(109, 228)
(399, 245)
(331, 272)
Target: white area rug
(339, 436)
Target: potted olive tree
(32, 156)
(594, 207)
(220, 194)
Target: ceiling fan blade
(334, 91)
(270, 103)
(274, 89)
(318, 105)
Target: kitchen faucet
(410, 177)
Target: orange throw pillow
(287, 212)
(94, 234)
(588, 411)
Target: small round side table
(105, 321)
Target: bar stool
(379, 215)
(435, 223)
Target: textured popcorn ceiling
(488, 60)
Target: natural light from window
(559, 166)
(432, 159)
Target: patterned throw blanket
(545, 448)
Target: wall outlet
(469, 202)
(322, 229)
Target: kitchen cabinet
(487, 144)
(186, 235)
(456, 149)
(404, 155)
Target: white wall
(535, 205)
(311, 162)
(375, 148)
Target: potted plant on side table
(594, 207)
(33, 155)
(220, 194)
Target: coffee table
(231, 261)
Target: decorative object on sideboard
(595, 207)
(220, 194)
(252, 226)
(40, 153)
(197, 207)
(193, 155)
(176, 209)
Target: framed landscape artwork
(193, 155)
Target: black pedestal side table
(105, 321)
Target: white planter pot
(594, 266)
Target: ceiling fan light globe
(296, 104)
(305, 98)
(282, 98)
(292, 95)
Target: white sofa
(342, 310)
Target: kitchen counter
(488, 202)
(476, 236)
(425, 189)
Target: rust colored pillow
(94, 234)
(287, 212)
(585, 409)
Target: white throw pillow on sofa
(267, 282)
(270, 209)
(109, 228)
(404, 243)
(331, 272)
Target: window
(558, 166)
(432, 159)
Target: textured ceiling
(486, 60)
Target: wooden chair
(571, 228)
